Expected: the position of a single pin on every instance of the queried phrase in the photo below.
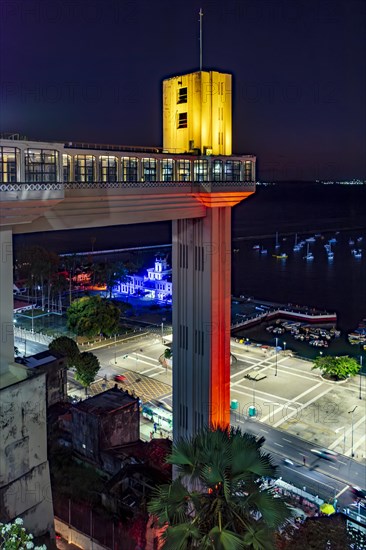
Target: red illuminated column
(201, 321)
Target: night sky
(91, 70)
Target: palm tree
(218, 500)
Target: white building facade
(157, 284)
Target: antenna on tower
(201, 15)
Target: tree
(337, 368)
(323, 532)
(66, 346)
(168, 353)
(110, 274)
(87, 366)
(93, 315)
(218, 500)
(37, 267)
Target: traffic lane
(344, 469)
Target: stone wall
(25, 488)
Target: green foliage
(324, 532)
(92, 315)
(66, 346)
(218, 500)
(168, 353)
(87, 366)
(14, 537)
(110, 274)
(337, 367)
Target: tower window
(182, 95)
(182, 120)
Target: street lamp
(276, 355)
(162, 332)
(351, 412)
(32, 319)
(284, 346)
(115, 352)
(254, 379)
(344, 436)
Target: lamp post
(254, 379)
(351, 412)
(115, 352)
(276, 356)
(360, 393)
(344, 436)
(284, 346)
(32, 319)
(162, 332)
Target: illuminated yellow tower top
(197, 113)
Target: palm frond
(222, 540)
(273, 509)
(259, 538)
(180, 537)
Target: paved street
(296, 410)
(297, 401)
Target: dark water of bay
(338, 285)
(302, 208)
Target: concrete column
(201, 321)
(6, 300)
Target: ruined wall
(24, 473)
(120, 427)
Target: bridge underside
(201, 279)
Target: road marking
(306, 404)
(333, 467)
(278, 444)
(265, 431)
(288, 440)
(340, 461)
(341, 492)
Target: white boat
(309, 255)
(256, 247)
(264, 251)
(358, 253)
(332, 240)
(310, 240)
(297, 246)
(277, 245)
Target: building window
(232, 170)
(182, 120)
(149, 169)
(9, 161)
(129, 169)
(66, 167)
(248, 170)
(201, 170)
(183, 170)
(167, 170)
(41, 165)
(84, 168)
(182, 95)
(217, 170)
(108, 169)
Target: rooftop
(106, 402)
